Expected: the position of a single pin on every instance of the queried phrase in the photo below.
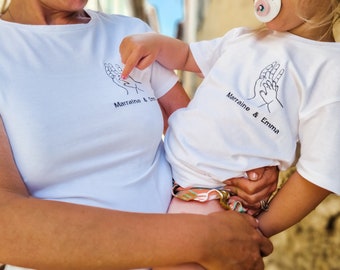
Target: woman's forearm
(54, 235)
(42, 234)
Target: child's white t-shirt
(259, 97)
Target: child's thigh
(194, 207)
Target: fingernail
(253, 176)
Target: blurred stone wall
(314, 243)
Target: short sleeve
(162, 79)
(207, 52)
(320, 147)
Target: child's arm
(292, 203)
(143, 49)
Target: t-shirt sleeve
(162, 79)
(320, 147)
(207, 52)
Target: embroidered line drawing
(266, 87)
(115, 73)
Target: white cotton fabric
(260, 96)
(79, 132)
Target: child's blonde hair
(329, 17)
(4, 6)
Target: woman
(89, 184)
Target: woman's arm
(43, 234)
(143, 49)
(297, 198)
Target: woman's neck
(39, 15)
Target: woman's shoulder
(115, 18)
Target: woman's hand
(240, 243)
(253, 192)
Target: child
(263, 91)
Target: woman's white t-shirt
(79, 132)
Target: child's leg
(189, 266)
(193, 207)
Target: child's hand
(138, 51)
